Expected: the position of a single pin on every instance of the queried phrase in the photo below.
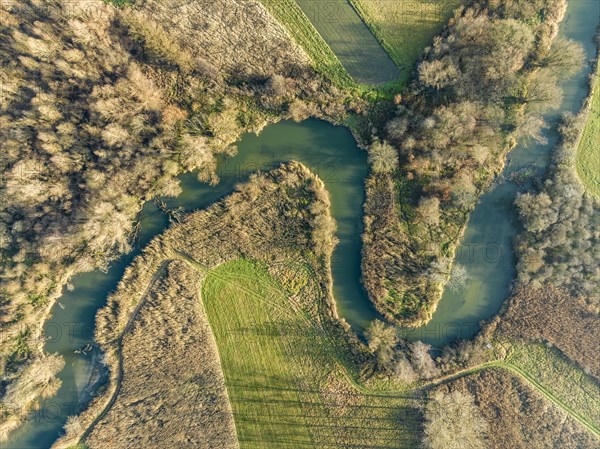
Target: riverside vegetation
(252, 270)
(555, 302)
(259, 307)
(101, 109)
(557, 298)
(481, 86)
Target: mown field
(285, 383)
(371, 41)
(304, 33)
(351, 40)
(588, 153)
(405, 28)
(289, 387)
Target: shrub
(383, 157)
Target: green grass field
(351, 40)
(282, 370)
(289, 14)
(289, 388)
(406, 28)
(560, 379)
(369, 42)
(588, 153)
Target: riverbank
(347, 289)
(453, 142)
(245, 223)
(556, 298)
(274, 322)
(165, 105)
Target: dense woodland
(101, 108)
(482, 84)
(562, 227)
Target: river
(332, 153)
(487, 248)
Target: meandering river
(332, 153)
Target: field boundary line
(375, 30)
(553, 398)
(306, 36)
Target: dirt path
(530, 380)
(584, 421)
(538, 386)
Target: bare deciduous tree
(422, 360)
(383, 157)
(453, 421)
(565, 57)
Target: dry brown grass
(229, 36)
(100, 109)
(518, 417)
(552, 315)
(251, 263)
(173, 393)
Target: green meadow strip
(352, 41)
(405, 28)
(283, 375)
(588, 152)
